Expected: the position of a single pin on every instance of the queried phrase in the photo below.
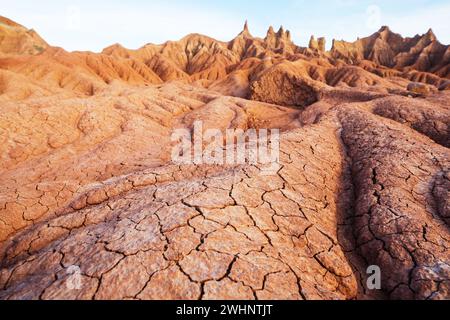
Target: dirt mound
(285, 84)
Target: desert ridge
(262, 69)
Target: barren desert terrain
(88, 186)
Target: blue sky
(95, 24)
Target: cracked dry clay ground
(363, 185)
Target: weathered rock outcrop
(228, 67)
(285, 84)
(421, 53)
(15, 38)
(92, 205)
(318, 44)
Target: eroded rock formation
(318, 44)
(386, 48)
(15, 38)
(92, 207)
